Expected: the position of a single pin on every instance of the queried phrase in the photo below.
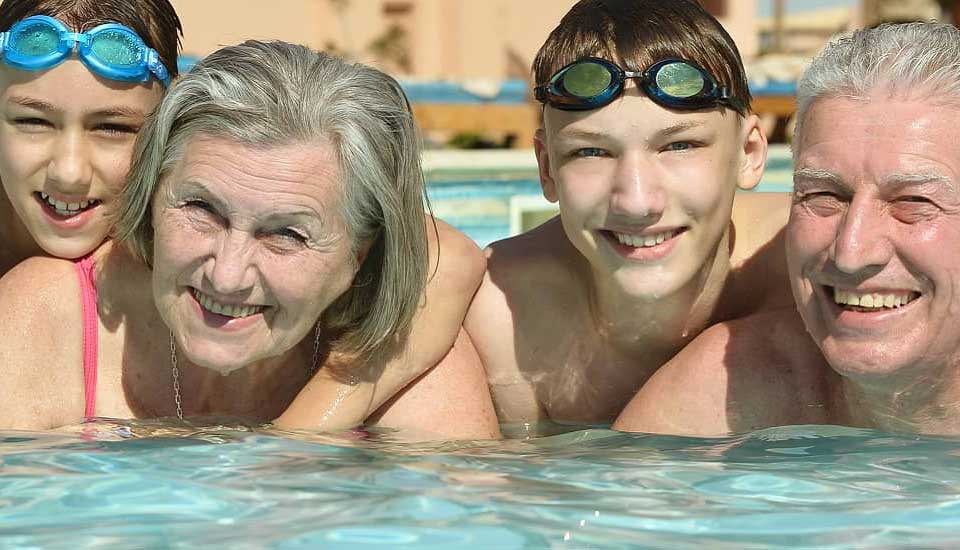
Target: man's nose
(861, 241)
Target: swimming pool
(491, 195)
(801, 487)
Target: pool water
(222, 486)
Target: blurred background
(466, 67)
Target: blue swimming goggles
(113, 51)
(592, 82)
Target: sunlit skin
(876, 212)
(250, 248)
(69, 134)
(571, 319)
(240, 225)
(636, 168)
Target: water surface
(141, 485)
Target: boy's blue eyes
(677, 146)
(590, 152)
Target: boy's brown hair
(636, 33)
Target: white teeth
(226, 310)
(647, 241)
(872, 300)
(67, 209)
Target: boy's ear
(754, 153)
(543, 162)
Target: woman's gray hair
(267, 94)
(897, 59)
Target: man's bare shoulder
(41, 359)
(735, 376)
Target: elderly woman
(273, 222)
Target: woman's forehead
(261, 175)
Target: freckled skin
(69, 132)
(876, 209)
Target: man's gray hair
(895, 59)
(266, 94)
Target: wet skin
(66, 138)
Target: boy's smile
(643, 188)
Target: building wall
(454, 39)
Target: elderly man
(873, 258)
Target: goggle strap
(540, 93)
(157, 67)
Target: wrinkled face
(872, 238)
(645, 192)
(250, 248)
(66, 139)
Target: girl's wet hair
(636, 33)
(155, 21)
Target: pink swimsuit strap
(88, 298)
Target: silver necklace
(314, 365)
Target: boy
(648, 249)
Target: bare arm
(40, 355)
(451, 401)
(490, 322)
(329, 403)
(743, 375)
(688, 395)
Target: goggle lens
(680, 80)
(35, 39)
(116, 48)
(593, 82)
(587, 79)
(110, 50)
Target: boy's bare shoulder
(542, 254)
(529, 289)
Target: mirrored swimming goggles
(592, 82)
(113, 51)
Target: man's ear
(754, 153)
(547, 184)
